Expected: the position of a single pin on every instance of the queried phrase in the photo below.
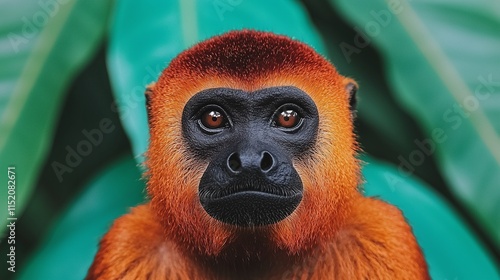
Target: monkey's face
(250, 140)
(251, 133)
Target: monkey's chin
(251, 208)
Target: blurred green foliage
(429, 103)
(443, 61)
(43, 47)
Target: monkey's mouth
(250, 207)
(250, 197)
(216, 190)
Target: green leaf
(146, 35)
(43, 44)
(69, 249)
(451, 250)
(443, 60)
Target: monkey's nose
(266, 161)
(234, 163)
(237, 163)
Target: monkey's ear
(149, 94)
(351, 88)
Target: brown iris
(288, 119)
(213, 119)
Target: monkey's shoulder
(377, 243)
(377, 216)
(135, 246)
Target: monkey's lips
(249, 208)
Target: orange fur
(334, 233)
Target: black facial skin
(250, 140)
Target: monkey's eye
(213, 120)
(287, 118)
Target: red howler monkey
(252, 175)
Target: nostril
(266, 161)
(234, 162)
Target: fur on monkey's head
(252, 60)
